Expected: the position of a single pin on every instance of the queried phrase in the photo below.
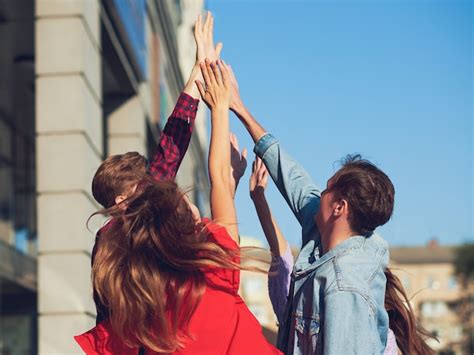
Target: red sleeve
(100, 340)
(220, 277)
(175, 139)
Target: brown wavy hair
(410, 334)
(148, 269)
(371, 197)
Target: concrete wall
(69, 150)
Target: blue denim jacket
(336, 301)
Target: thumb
(218, 50)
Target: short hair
(116, 175)
(368, 191)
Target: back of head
(368, 191)
(116, 176)
(148, 267)
(370, 195)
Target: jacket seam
(359, 292)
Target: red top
(221, 324)
(169, 154)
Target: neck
(335, 236)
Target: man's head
(117, 177)
(358, 194)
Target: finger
(217, 73)
(244, 154)
(197, 27)
(243, 158)
(231, 72)
(206, 23)
(236, 142)
(265, 178)
(218, 49)
(225, 73)
(201, 88)
(232, 139)
(210, 30)
(259, 162)
(205, 73)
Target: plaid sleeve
(174, 139)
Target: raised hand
(238, 162)
(259, 178)
(236, 102)
(217, 92)
(204, 37)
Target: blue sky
(391, 80)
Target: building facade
(80, 80)
(428, 276)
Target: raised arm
(282, 259)
(292, 180)
(177, 133)
(216, 94)
(258, 184)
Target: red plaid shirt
(175, 139)
(171, 149)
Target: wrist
(220, 108)
(238, 108)
(257, 195)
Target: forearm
(275, 238)
(291, 179)
(255, 130)
(222, 201)
(190, 87)
(219, 150)
(175, 138)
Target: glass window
(452, 283)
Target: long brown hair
(411, 336)
(371, 195)
(148, 266)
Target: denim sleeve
(292, 180)
(349, 326)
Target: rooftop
(431, 254)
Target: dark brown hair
(148, 270)
(370, 195)
(411, 336)
(368, 191)
(116, 176)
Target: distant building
(427, 273)
(79, 80)
(254, 288)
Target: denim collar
(315, 260)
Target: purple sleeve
(391, 348)
(279, 282)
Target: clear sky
(391, 80)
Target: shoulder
(361, 267)
(218, 234)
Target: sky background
(391, 80)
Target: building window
(452, 283)
(253, 286)
(432, 283)
(434, 309)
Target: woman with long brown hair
(169, 279)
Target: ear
(119, 199)
(340, 208)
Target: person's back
(220, 323)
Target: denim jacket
(336, 301)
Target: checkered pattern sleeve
(175, 139)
